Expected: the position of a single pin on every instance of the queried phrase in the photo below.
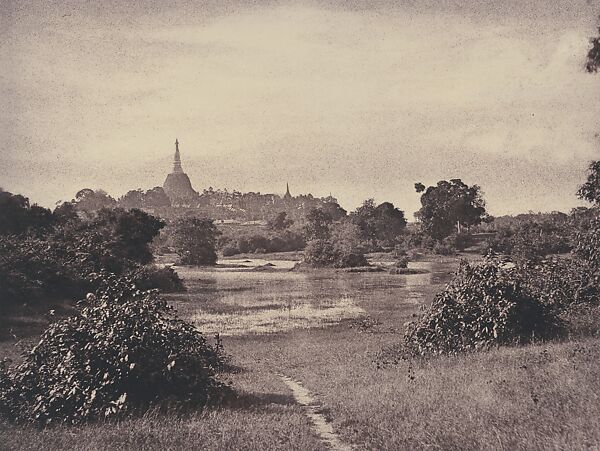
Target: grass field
(325, 330)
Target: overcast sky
(361, 101)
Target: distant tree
(449, 204)
(334, 210)
(89, 200)
(593, 56)
(379, 225)
(132, 199)
(317, 225)
(40, 219)
(347, 237)
(419, 187)
(341, 249)
(156, 197)
(17, 216)
(280, 222)
(127, 234)
(65, 213)
(195, 240)
(590, 190)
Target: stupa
(177, 184)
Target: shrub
(346, 259)
(324, 253)
(320, 253)
(229, 249)
(531, 241)
(33, 268)
(194, 240)
(164, 279)
(444, 248)
(61, 264)
(484, 304)
(400, 256)
(17, 216)
(125, 351)
(274, 241)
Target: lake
(237, 301)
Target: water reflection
(235, 302)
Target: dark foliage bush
(33, 268)
(400, 256)
(444, 248)
(568, 282)
(17, 216)
(485, 304)
(123, 352)
(320, 253)
(274, 241)
(195, 240)
(126, 234)
(379, 226)
(531, 241)
(325, 253)
(60, 264)
(150, 277)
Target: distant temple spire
(287, 192)
(177, 185)
(177, 162)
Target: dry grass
(543, 396)
(276, 318)
(535, 397)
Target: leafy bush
(379, 226)
(569, 282)
(164, 279)
(195, 241)
(443, 248)
(17, 216)
(484, 304)
(320, 253)
(61, 263)
(274, 241)
(531, 240)
(33, 268)
(400, 256)
(325, 253)
(123, 352)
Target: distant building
(177, 185)
(287, 195)
(224, 206)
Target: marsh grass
(540, 396)
(276, 318)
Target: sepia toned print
(299, 225)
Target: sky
(358, 99)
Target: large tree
(17, 216)
(593, 56)
(379, 225)
(449, 204)
(132, 199)
(280, 221)
(590, 190)
(195, 241)
(317, 225)
(125, 234)
(89, 200)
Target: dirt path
(312, 409)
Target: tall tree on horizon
(449, 204)
(593, 56)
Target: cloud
(359, 101)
